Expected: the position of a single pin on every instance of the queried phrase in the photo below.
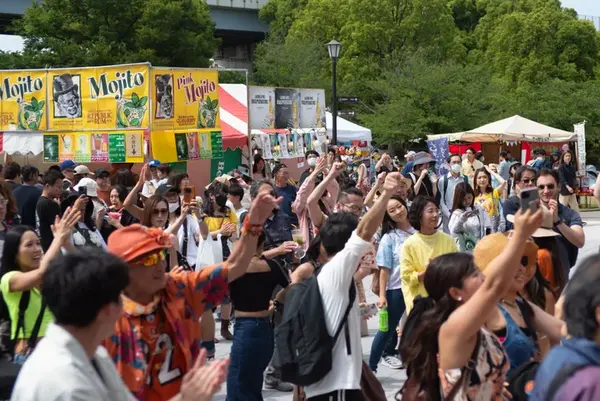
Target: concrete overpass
(237, 25)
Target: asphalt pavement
(392, 380)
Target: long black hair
(536, 288)
(12, 241)
(218, 190)
(87, 213)
(419, 346)
(389, 224)
(489, 188)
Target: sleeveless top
(518, 344)
(487, 380)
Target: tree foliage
(433, 66)
(96, 32)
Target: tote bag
(210, 252)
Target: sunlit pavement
(391, 379)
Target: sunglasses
(525, 261)
(549, 186)
(152, 259)
(158, 212)
(527, 180)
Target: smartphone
(370, 310)
(529, 199)
(189, 194)
(82, 191)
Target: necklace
(513, 305)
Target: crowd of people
(116, 280)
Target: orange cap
(134, 241)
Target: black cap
(101, 173)
(277, 168)
(164, 188)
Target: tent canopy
(233, 109)
(515, 128)
(347, 131)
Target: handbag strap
(465, 374)
(36, 328)
(23, 304)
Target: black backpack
(303, 346)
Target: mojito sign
(23, 100)
(184, 99)
(99, 98)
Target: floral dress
(83, 236)
(487, 380)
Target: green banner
(231, 160)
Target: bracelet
(251, 229)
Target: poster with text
(134, 146)
(205, 145)
(267, 151)
(184, 98)
(216, 141)
(286, 108)
(99, 147)
(83, 150)
(262, 107)
(66, 146)
(23, 100)
(283, 143)
(94, 98)
(312, 108)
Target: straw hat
(491, 246)
(546, 230)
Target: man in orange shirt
(157, 337)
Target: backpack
(303, 346)
(561, 378)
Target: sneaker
(392, 362)
(276, 384)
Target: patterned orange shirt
(155, 345)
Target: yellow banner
(23, 100)
(184, 145)
(98, 147)
(184, 99)
(99, 98)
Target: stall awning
(515, 128)
(347, 131)
(234, 115)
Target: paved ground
(392, 380)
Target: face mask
(456, 168)
(312, 162)
(221, 200)
(173, 207)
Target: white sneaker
(392, 362)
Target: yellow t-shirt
(215, 223)
(489, 202)
(418, 250)
(12, 300)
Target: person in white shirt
(82, 290)
(159, 173)
(446, 187)
(335, 278)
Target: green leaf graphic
(29, 108)
(41, 105)
(135, 98)
(127, 112)
(34, 102)
(131, 104)
(135, 122)
(143, 101)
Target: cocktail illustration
(297, 237)
(30, 114)
(130, 112)
(208, 110)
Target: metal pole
(334, 107)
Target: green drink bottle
(383, 320)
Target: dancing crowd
(112, 282)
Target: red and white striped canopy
(233, 100)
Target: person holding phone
(524, 178)
(85, 232)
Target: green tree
(95, 32)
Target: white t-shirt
(334, 284)
(154, 183)
(192, 248)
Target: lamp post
(334, 47)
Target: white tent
(347, 131)
(515, 128)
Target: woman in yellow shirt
(419, 249)
(488, 197)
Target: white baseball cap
(90, 184)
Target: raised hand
(337, 169)
(424, 173)
(392, 182)
(527, 223)
(263, 206)
(381, 179)
(321, 164)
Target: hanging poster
(205, 145)
(268, 152)
(216, 141)
(275, 148)
(286, 108)
(193, 145)
(99, 147)
(439, 151)
(312, 108)
(83, 150)
(181, 147)
(23, 100)
(283, 143)
(262, 107)
(99, 97)
(134, 147)
(184, 98)
(579, 130)
(66, 146)
(50, 148)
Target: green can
(383, 320)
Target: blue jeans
(251, 351)
(385, 343)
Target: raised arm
(316, 215)
(245, 247)
(308, 186)
(132, 197)
(498, 177)
(23, 281)
(574, 234)
(460, 330)
(419, 182)
(369, 224)
(370, 199)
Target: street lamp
(334, 47)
